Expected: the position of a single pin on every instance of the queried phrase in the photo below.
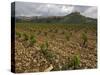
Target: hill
(72, 18)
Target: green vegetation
(73, 18)
(65, 66)
(49, 41)
(84, 39)
(32, 40)
(49, 55)
(73, 63)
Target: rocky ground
(59, 54)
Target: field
(45, 47)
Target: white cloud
(91, 12)
(40, 9)
(67, 9)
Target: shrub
(64, 67)
(32, 40)
(75, 62)
(43, 49)
(46, 52)
(84, 40)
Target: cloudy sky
(41, 9)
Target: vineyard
(41, 47)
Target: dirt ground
(56, 49)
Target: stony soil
(31, 59)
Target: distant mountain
(77, 18)
(72, 18)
